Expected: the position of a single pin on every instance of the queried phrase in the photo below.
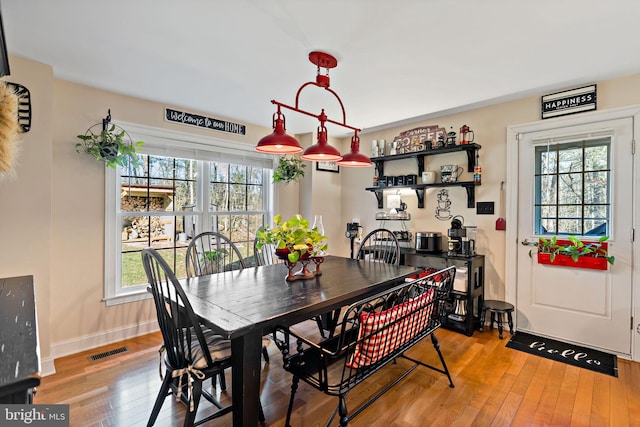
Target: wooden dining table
(243, 305)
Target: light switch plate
(485, 208)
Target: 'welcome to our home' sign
(203, 122)
(569, 102)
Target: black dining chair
(266, 255)
(211, 252)
(380, 245)
(191, 354)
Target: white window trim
(170, 143)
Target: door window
(572, 188)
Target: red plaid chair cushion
(381, 333)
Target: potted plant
(110, 146)
(293, 236)
(574, 252)
(289, 169)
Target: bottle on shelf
(477, 171)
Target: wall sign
(176, 116)
(569, 102)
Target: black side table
(498, 308)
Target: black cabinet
(19, 364)
(469, 186)
(468, 293)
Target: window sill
(126, 298)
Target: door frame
(511, 242)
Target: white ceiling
(398, 59)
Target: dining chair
(266, 255)
(191, 354)
(211, 252)
(380, 245)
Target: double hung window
(171, 195)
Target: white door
(576, 194)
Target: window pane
(185, 195)
(570, 189)
(548, 211)
(596, 189)
(547, 185)
(570, 160)
(219, 197)
(238, 197)
(596, 158)
(596, 211)
(595, 227)
(132, 270)
(161, 167)
(569, 226)
(238, 174)
(547, 161)
(186, 169)
(548, 226)
(570, 211)
(219, 172)
(254, 176)
(254, 198)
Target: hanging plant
(112, 144)
(290, 169)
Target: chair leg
(294, 387)
(223, 381)
(342, 411)
(261, 417)
(265, 354)
(436, 345)
(162, 394)
(190, 418)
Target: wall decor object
(24, 105)
(418, 139)
(175, 116)
(328, 167)
(571, 101)
(9, 128)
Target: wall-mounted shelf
(470, 186)
(470, 149)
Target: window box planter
(566, 261)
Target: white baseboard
(47, 367)
(87, 342)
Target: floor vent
(108, 353)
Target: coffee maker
(456, 234)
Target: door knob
(526, 242)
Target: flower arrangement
(293, 234)
(575, 249)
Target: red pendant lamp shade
(278, 142)
(281, 143)
(355, 159)
(321, 151)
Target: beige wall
(52, 213)
(489, 124)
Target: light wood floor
(495, 386)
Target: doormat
(571, 354)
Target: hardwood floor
(495, 386)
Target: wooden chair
(211, 252)
(380, 245)
(191, 354)
(265, 255)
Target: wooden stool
(499, 308)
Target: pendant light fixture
(355, 158)
(279, 142)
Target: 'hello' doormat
(571, 354)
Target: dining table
(243, 305)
